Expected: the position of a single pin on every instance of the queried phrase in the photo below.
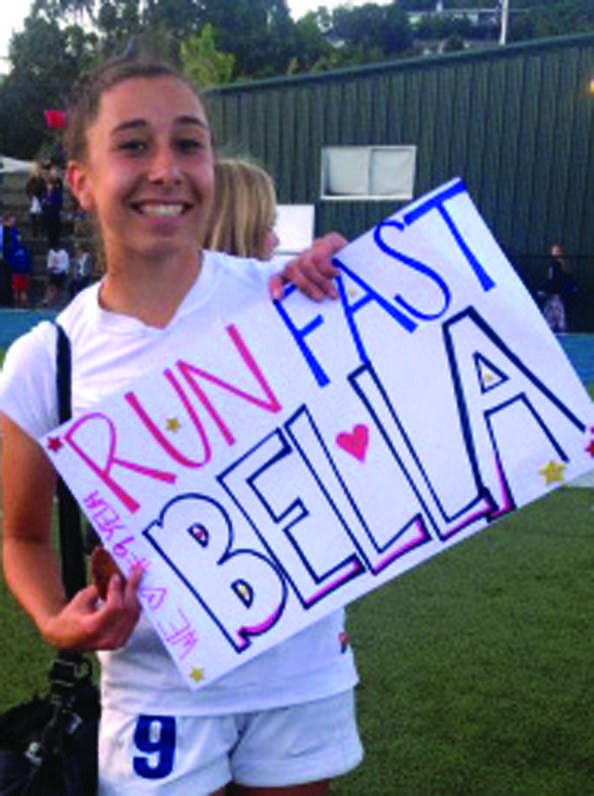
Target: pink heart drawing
(354, 443)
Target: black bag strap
(69, 519)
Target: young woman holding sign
(141, 160)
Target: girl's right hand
(88, 624)
(312, 272)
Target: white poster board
(311, 452)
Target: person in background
(80, 275)
(141, 159)
(244, 210)
(58, 266)
(559, 285)
(20, 267)
(11, 237)
(52, 208)
(36, 188)
(5, 274)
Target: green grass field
(477, 667)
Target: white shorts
(182, 755)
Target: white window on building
(368, 172)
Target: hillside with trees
(223, 41)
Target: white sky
(14, 12)
(11, 21)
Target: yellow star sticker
(552, 473)
(197, 674)
(173, 424)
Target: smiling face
(148, 170)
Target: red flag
(55, 119)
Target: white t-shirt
(108, 351)
(58, 261)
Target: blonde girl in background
(244, 210)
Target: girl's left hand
(88, 623)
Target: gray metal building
(515, 122)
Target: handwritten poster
(303, 454)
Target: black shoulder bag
(48, 745)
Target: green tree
(63, 10)
(182, 18)
(45, 61)
(260, 33)
(312, 51)
(555, 18)
(398, 36)
(202, 63)
(371, 32)
(117, 22)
